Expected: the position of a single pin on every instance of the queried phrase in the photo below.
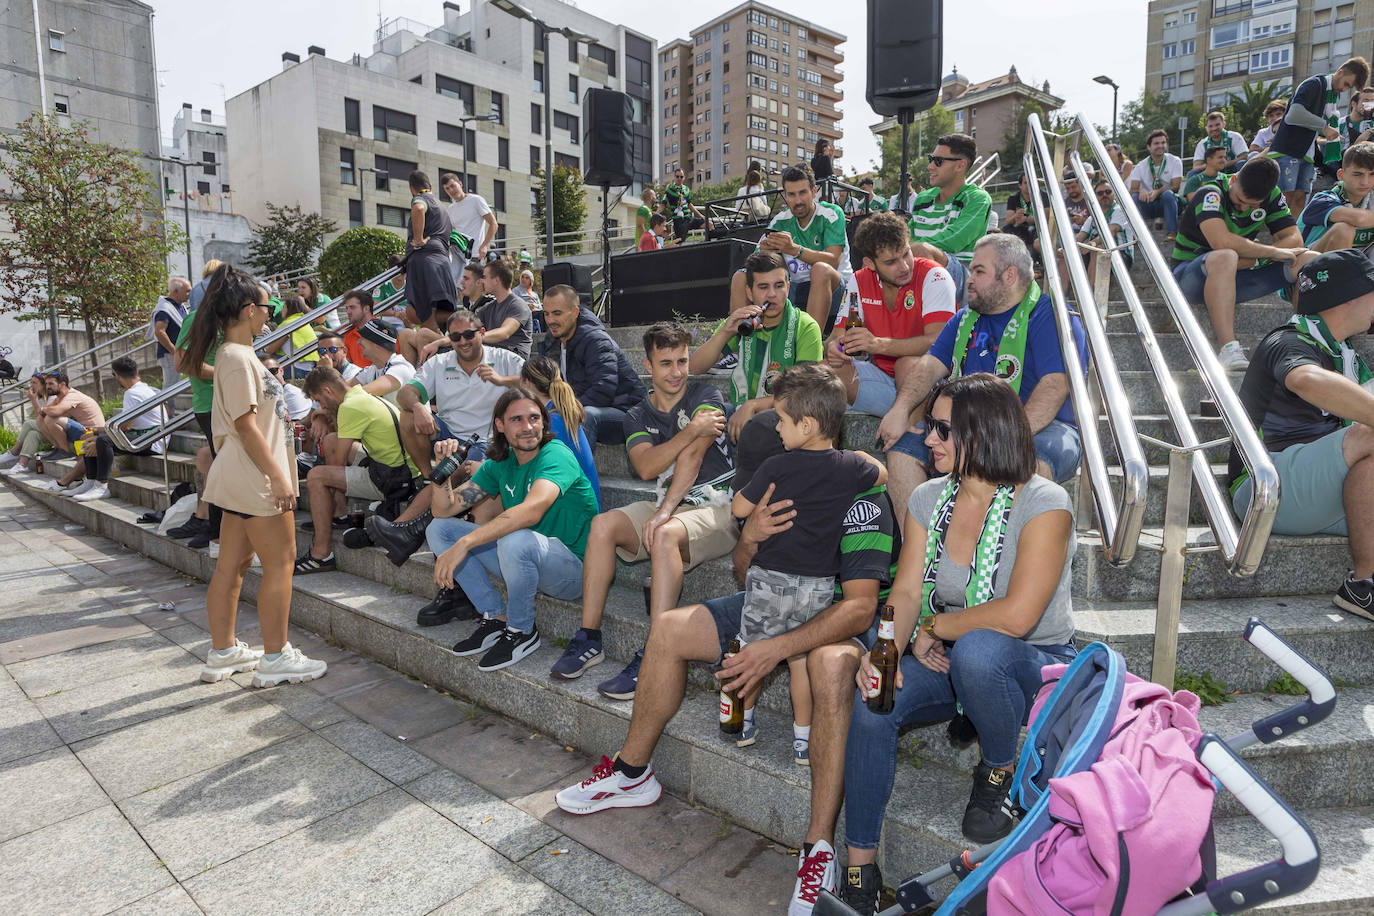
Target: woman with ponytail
(253, 480)
(565, 413)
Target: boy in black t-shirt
(781, 591)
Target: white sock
(749, 716)
(801, 732)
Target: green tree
(1245, 109)
(357, 255)
(88, 234)
(289, 240)
(709, 192)
(928, 127)
(1147, 113)
(569, 205)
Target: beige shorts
(360, 486)
(711, 531)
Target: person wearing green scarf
(1311, 396)
(1007, 329)
(780, 335)
(977, 642)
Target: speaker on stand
(608, 145)
(905, 43)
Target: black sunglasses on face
(274, 369)
(941, 428)
(323, 350)
(941, 160)
(456, 336)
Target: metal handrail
(1242, 548)
(62, 363)
(121, 438)
(1119, 521)
(976, 174)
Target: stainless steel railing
(129, 346)
(985, 170)
(1120, 518)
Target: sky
(1067, 42)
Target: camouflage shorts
(776, 602)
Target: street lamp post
(463, 126)
(362, 190)
(1107, 81)
(512, 8)
(185, 201)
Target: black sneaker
(511, 646)
(1356, 596)
(482, 638)
(201, 540)
(356, 539)
(988, 816)
(193, 527)
(448, 604)
(860, 888)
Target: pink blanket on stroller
(1127, 833)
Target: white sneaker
(8, 459)
(220, 664)
(815, 873)
(80, 488)
(18, 470)
(291, 666)
(50, 484)
(607, 788)
(90, 494)
(213, 550)
(1232, 356)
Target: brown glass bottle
(882, 685)
(731, 709)
(855, 318)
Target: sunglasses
(456, 336)
(1104, 193)
(273, 369)
(323, 350)
(941, 160)
(940, 428)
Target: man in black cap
(387, 370)
(1312, 398)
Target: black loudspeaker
(578, 276)
(905, 38)
(607, 143)
(689, 281)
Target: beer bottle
(37, 465)
(855, 318)
(882, 684)
(731, 709)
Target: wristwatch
(928, 627)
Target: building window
(572, 50)
(399, 169)
(394, 217)
(538, 76)
(455, 89)
(536, 119)
(61, 104)
(498, 107)
(450, 133)
(605, 55)
(347, 174)
(352, 117)
(502, 153)
(572, 89)
(203, 187)
(571, 162)
(55, 40)
(564, 121)
(1187, 46)
(1169, 81)
(1189, 16)
(534, 203)
(1280, 58)
(498, 196)
(355, 214)
(801, 33)
(535, 159)
(1171, 23)
(1170, 51)
(385, 120)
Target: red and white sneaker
(815, 873)
(608, 788)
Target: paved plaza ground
(128, 785)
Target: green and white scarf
(1334, 149)
(1011, 350)
(980, 587)
(1155, 172)
(757, 357)
(1351, 364)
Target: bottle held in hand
(731, 709)
(882, 684)
(453, 463)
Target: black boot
(988, 816)
(399, 540)
(449, 604)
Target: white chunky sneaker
(1232, 356)
(291, 666)
(219, 664)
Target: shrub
(357, 255)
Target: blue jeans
(1191, 277)
(74, 431)
(605, 424)
(1295, 174)
(1166, 205)
(800, 291)
(994, 676)
(959, 274)
(526, 560)
(1059, 445)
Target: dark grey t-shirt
(1037, 496)
(493, 314)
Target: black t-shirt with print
(1213, 201)
(645, 424)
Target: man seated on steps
(598, 371)
(28, 442)
(834, 641)
(506, 316)
(98, 451)
(1343, 217)
(68, 416)
(535, 545)
(368, 428)
(676, 436)
(1312, 398)
(781, 335)
(905, 302)
(1007, 329)
(1217, 261)
(333, 352)
(951, 215)
(810, 237)
(387, 371)
(1155, 182)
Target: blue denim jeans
(1166, 205)
(995, 678)
(1059, 445)
(1251, 283)
(526, 560)
(604, 424)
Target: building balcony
(826, 90)
(816, 46)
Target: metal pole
(186, 209)
(904, 117)
(362, 197)
(548, 145)
(1171, 567)
(1114, 90)
(463, 126)
(38, 46)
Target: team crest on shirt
(861, 513)
(909, 300)
(683, 419)
(1008, 367)
(1257, 214)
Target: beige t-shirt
(242, 384)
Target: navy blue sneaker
(582, 653)
(622, 686)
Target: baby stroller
(1068, 731)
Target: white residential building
(198, 197)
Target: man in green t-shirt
(780, 335)
(368, 427)
(685, 215)
(647, 208)
(949, 218)
(535, 544)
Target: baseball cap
(376, 332)
(1333, 279)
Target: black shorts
(245, 515)
(203, 421)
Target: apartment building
(1203, 50)
(340, 136)
(197, 194)
(753, 84)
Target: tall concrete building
(753, 84)
(198, 196)
(340, 136)
(1203, 50)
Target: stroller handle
(1321, 697)
(1294, 870)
